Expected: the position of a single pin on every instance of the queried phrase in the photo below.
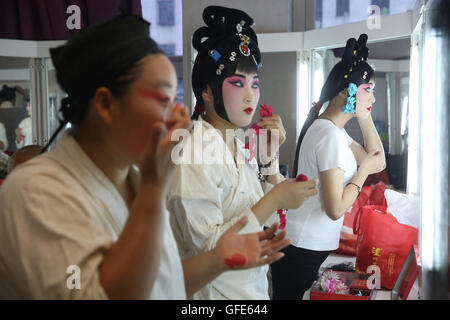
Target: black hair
(7, 93)
(353, 68)
(228, 35)
(106, 55)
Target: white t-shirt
(205, 200)
(27, 132)
(3, 137)
(325, 147)
(6, 105)
(58, 210)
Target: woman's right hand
(290, 194)
(156, 163)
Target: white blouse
(205, 200)
(58, 210)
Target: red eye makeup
(154, 95)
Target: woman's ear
(207, 95)
(344, 94)
(103, 104)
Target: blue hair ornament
(214, 54)
(350, 107)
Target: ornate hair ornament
(350, 107)
(214, 54)
(239, 26)
(243, 47)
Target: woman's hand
(373, 163)
(156, 163)
(290, 194)
(236, 251)
(278, 135)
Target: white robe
(58, 210)
(205, 200)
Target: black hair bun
(7, 93)
(356, 51)
(221, 23)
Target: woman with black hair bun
(221, 183)
(87, 219)
(326, 152)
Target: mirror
(391, 109)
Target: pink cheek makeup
(362, 96)
(232, 89)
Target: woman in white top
(82, 221)
(3, 138)
(327, 153)
(216, 182)
(24, 130)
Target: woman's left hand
(243, 251)
(273, 123)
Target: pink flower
(302, 178)
(282, 215)
(266, 111)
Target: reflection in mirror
(15, 104)
(54, 97)
(391, 110)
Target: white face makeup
(240, 97)
(364, 100)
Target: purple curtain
(46, 19)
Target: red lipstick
(369, 108)
(248, 111)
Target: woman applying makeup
(87, 220)
(206, 198)
(327, 153)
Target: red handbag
(382, 241)
(372, 195)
